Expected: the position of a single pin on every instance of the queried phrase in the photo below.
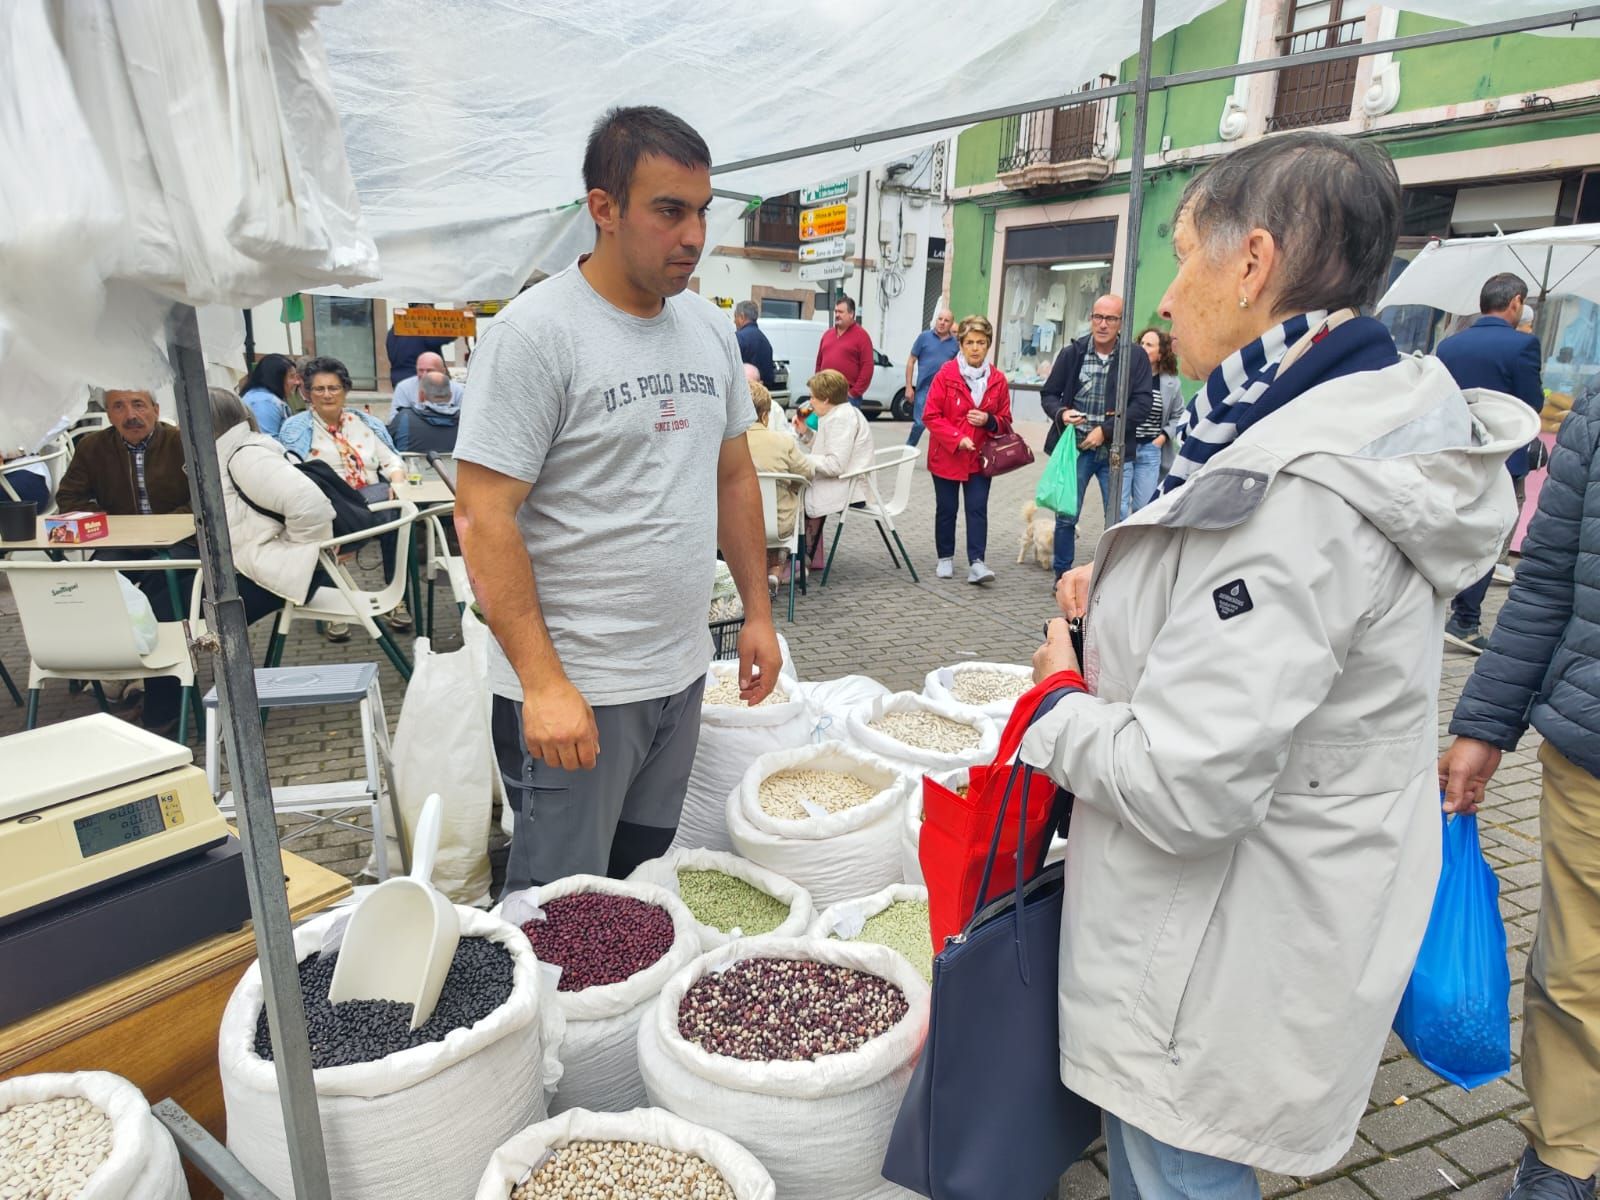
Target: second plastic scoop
(402, 937)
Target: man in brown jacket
(134, 467)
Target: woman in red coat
(968, 403)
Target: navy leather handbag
(986, 1114)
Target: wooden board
(434, 322)
(122, 533)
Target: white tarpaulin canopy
(1561, 261)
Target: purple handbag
(1002, 453)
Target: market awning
(1560, 261)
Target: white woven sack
(143, 1163)
(940, 683)
(512, 1162)
(599, 1064)
(833, 856)
(663, 872)
(912, 759)
(845, 919)
(831, 700)
(419, 1124)
(820, 1128)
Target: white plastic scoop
(402, 937)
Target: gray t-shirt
(617, 421)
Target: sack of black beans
(826, 816)
(991, 688)
(85, 1134)
(730, 897)
(616, 942)
(911, 825)
(918, 735)
(406, 1115)
(732, 736)
(896, 917)
(579, 1155)
(798, 1049)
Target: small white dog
(1038, 534)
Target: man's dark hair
(625, 135)
(1331, 203)
(1500, 291)
(849, 304)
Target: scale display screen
(113, 827)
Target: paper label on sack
(812, 808)
(847, 926)
(549, 973)
(520, 907)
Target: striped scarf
(1230, 392)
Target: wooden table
(122, 533)
(157, 1027)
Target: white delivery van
(794, 345)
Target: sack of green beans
(406, 1115)
(826, 816)
(730, 897)
(911, 825)
(799, 1049)
(85, 1134)
(896, 917)
(919, 735)
(580, 1154)
(991, 688)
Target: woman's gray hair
(1331, 203)
(227, 410)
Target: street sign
(434, 322)
(833, 220)
(833, 268)
(828, 193)
(834, 247)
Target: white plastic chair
(437, 558)
(794, 542)
(77, 626)
(345, 601)
(53, 458)
(901, 460)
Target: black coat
(1061, 389)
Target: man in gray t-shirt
(602, 462)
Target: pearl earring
(1243, 302)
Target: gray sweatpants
(607, 820)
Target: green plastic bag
(1058, 486)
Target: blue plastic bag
(1455, 1015)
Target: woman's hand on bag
(966, 444)
(1056, 654)
(977, 417)
(1072, 592)
(1464, 772)
(558, 726)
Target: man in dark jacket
(134, 467)
(1080, 395)
(1542, 667)
(1492, 354)
(754, 348)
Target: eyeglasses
(336, 390)
(1106, 319)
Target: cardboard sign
(434, 322)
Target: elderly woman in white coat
(1256, 839)
(841, 444)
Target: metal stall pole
(1130, 264)
(247, 761)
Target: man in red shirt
(847, 350)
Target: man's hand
(1072, 592)
(1160, 440)
(558, 726)
(760, 660)
(1093, 439)
(1464, 771)
(1071, 416)
(1056, 654)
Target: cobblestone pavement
(1421, 1137)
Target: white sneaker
(946, 568)
(978, 573)
(399, 618)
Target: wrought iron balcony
(1053, 146)
(1318, 93)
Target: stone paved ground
(872, 619)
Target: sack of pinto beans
(732, 736)
(798, 1049)
(919, 735)
(911, 825)
(579, 1156)
(729, 897)
(616, 942)
(990, 688)
(406, 1115)
(896, 917)
(825, 816)
(85, 1134)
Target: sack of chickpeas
(84, 1135)
(825, 816)
(406, 1114)
(616, 943)
(919, 735)
(732, 736)
(584, 1155)
(991, 688)
(729, 897)
(799, 1049)
(911, 825)
(896, 917)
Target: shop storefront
(1051, 277)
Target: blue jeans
(1144, 1169)
(1466, 609)
(917, 408)
(946, 497)
(1140, 474)
(1096, 464)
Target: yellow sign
(829, 221)
(434, 322)
(488, 308)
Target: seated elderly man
(134, 467)
(431, 388)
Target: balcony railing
(775, 224)
(1057, 145)
(1318, 93)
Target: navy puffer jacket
(1543, 662)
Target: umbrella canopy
(1561, 261)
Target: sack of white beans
(831, 701)
(629, 949)
(730, 897)
(732, 736)
(991, 688)
(649, 1141)
(911, 825)
(896, 917)
(417, 1123)
(819, 1125)
(85, 1134)
(916, 734)
(825, 816)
